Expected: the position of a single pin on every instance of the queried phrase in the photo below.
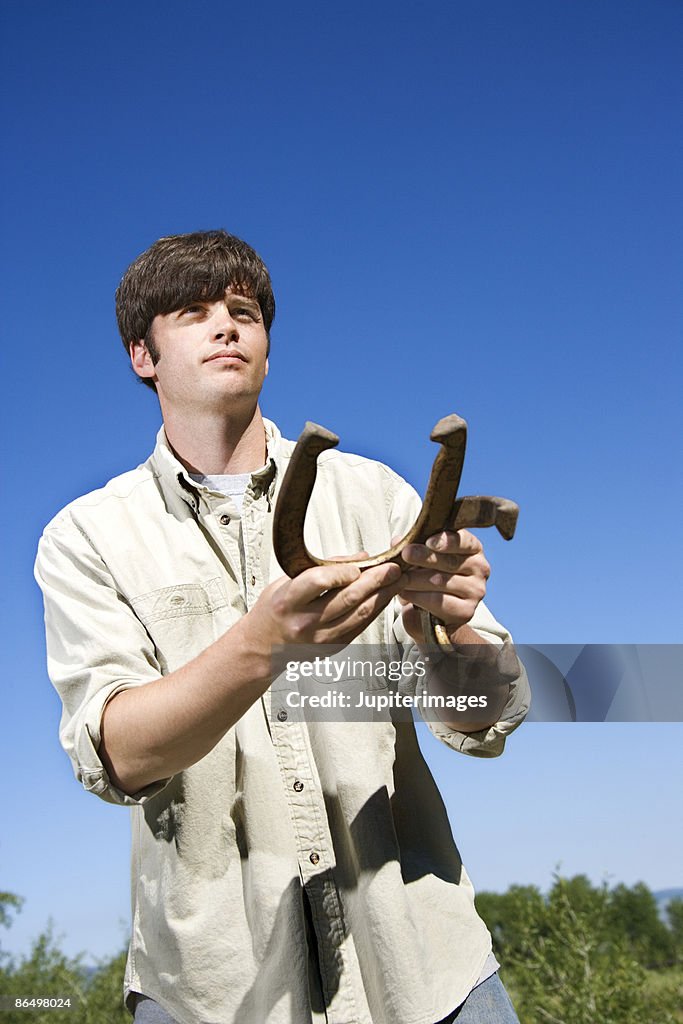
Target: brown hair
(181, 269)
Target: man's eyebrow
(234, 297)
(246, 299)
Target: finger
(419, 554)
(344, 601)
(311, 583)
(458, 565)
(447, 607)
(454, 605)
(351, 623)
(358, 557)
(446, 549)
(472, 576)
(465, 588)
(412, 621)
(459, 542)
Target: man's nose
(226, 328)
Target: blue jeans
(488, 1003)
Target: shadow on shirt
(409, 827)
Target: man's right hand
(328, 604)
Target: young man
(284, 871)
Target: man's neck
(215, 446)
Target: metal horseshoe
(440, 509)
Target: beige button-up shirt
(140, 577)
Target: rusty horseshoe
(440, 509)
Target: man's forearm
(153, 731)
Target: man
(283, 871)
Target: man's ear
(140, 359)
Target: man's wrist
(479, 656)
(471, 666)
(253, 639)
(451, 639)
(467, 642)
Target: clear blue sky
(468, 207)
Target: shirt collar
(173, 474)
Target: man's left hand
(447, 577)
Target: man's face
(208, 355)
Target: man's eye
(192, 309)
(244, 311)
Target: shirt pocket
(184, 619)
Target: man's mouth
(228, 353)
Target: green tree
(566, 973)
(634, 915)
(572, 957)
(674, 914)
(8, 903)
(45, 972)
(511, 914)
(96, 997)
(104, 994)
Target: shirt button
(225, 520)
(314, 857)
(282, 715)
(298, 786)
(253, 581)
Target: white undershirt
(233, 485)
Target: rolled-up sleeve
(96, 647)
(488, 742)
